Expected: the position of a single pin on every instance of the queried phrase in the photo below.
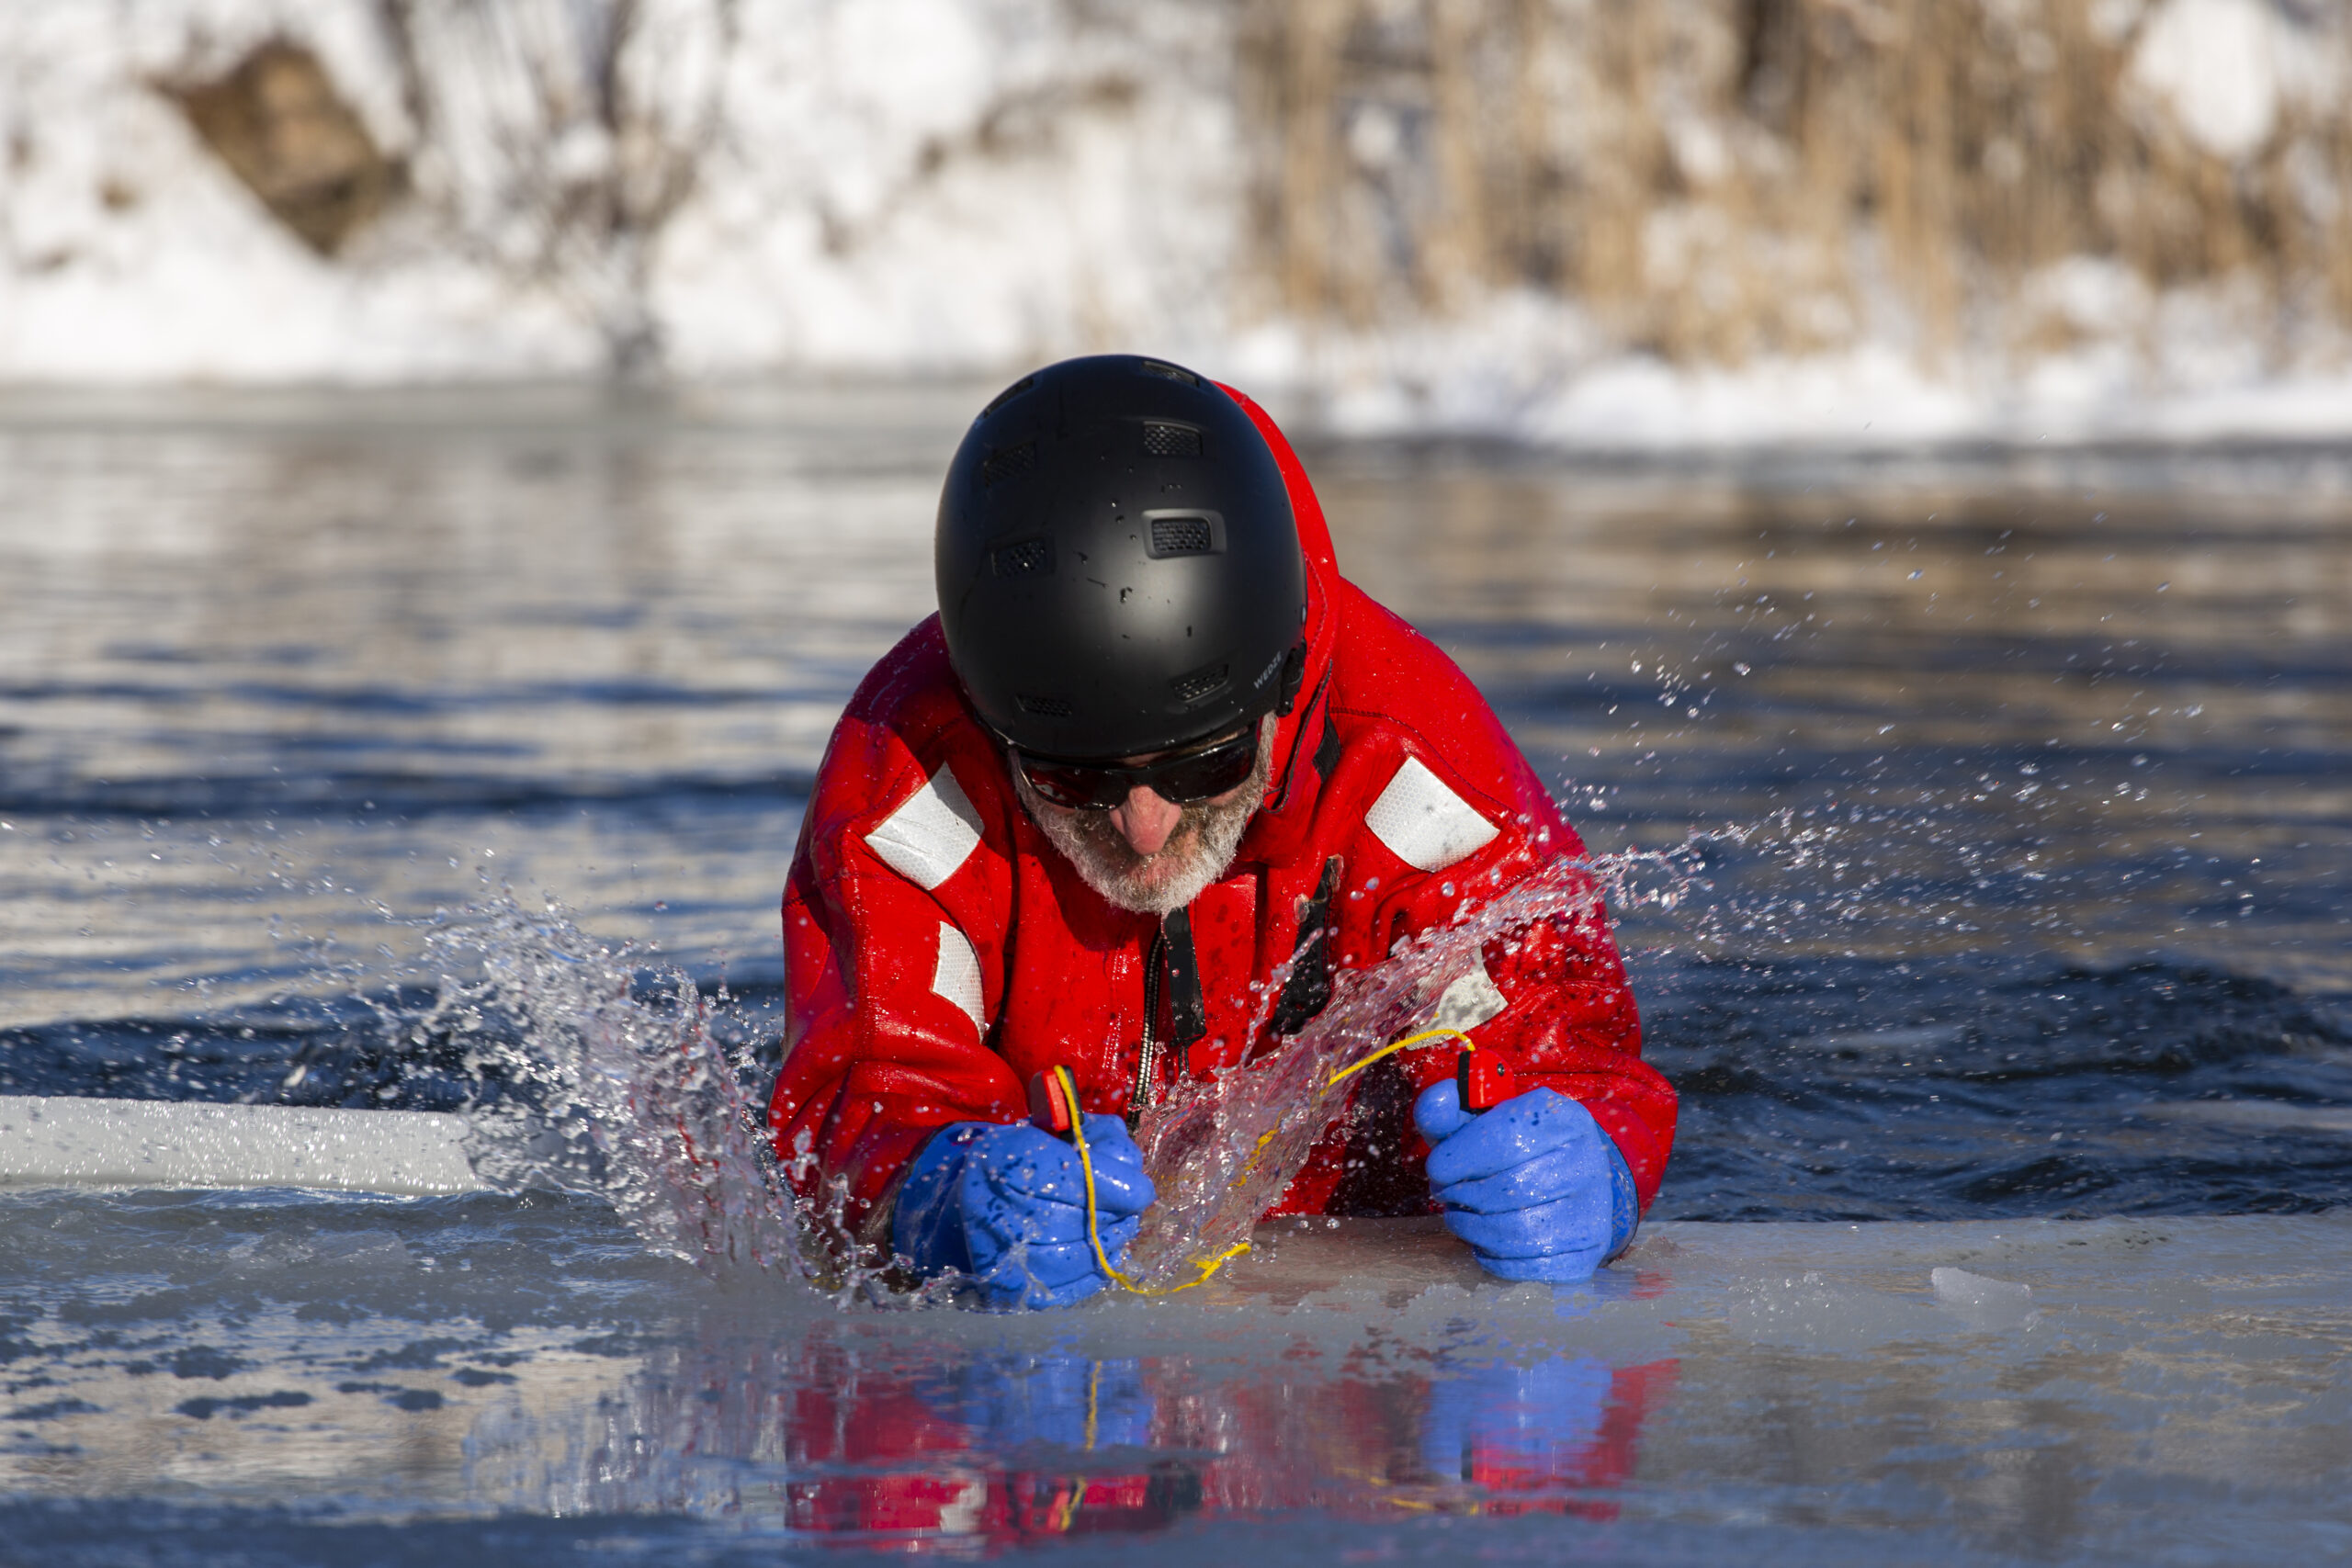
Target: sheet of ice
(1985, 1301)
(243, 1374)
(56, 1142)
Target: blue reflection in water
(1018, 1402)
(1516, 1420)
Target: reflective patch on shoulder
(1423, 823)
(935, 831)
(957, 976)
(1470, 1001)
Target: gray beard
(1196, 855)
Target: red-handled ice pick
(1053, 1102)
(1482, 1078)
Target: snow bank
(872, 186)
(729, 188)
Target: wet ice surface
(265, 1372)
(2017, 890)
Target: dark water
(2008, 873)
(1821, 1088)
(2010, 786)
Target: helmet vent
(1202, 682)
(1044, 707)
(1007, 396)
(1181, 536)
(1170, 440)
(1030, 557)
(1166, 372)
(1011, 461)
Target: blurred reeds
(1708, 180)
(1720, 179)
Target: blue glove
(1534, 1186)
(1006, 1204)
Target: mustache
(1112, 845)
(1197, 852)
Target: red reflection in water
(1000, 1452)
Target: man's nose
(1145, 820)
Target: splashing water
(623, 1089)
(1222, 1151)
(589, 1079)
(619, 1089)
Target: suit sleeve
(1568, 1023)
(892, 974)
(1549, 995)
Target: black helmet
(1119, 571)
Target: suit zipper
(1147, 1055)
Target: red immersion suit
(939, 950)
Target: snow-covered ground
(743, 188)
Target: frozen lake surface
(257, 1378)
(2005, 873)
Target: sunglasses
(1197, 774)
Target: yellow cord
(1209, 1268)
(1093, 1401)
(1407, 1043)
(1093, 1226)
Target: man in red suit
(1152, 748)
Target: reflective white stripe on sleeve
(957, 976)
(935, 831)
(1423, 823)
(1470, 1001)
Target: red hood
(1290, 802)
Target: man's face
(1147, 853)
